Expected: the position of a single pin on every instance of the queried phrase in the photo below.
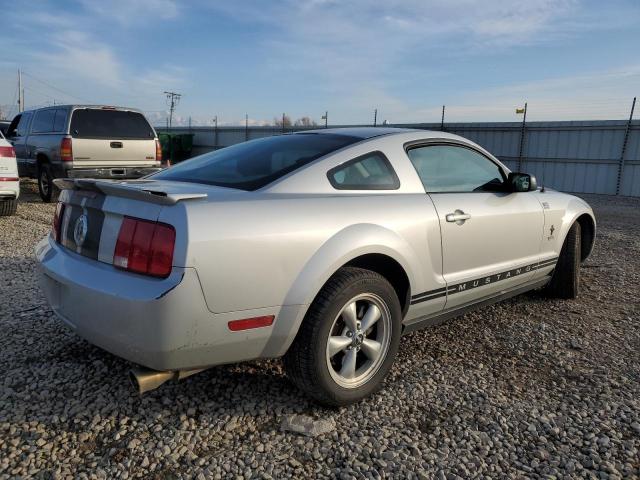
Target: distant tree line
(301, 122)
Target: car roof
(80, 106)
(361, 132)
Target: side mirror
(522, 182)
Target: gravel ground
(527, 388)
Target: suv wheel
(46, 188)
(348, 340)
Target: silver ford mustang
(321, 247)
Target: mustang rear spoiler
(122, 189)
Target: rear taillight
(158, 151)
(66, 151)
(57, 221)
(7, 152)
(145, 247)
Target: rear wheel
(46, 188)
(565, 282)
(8, 207)
(348, 339)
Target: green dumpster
(187, 143)
(176, 147)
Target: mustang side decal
(479, 282)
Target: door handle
(459, 217)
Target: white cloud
(131, 12)
(76, 54)
(558, 98)
(347, 45)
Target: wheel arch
(41, 159)
(587, 235)
(366, 246)
(391, 270)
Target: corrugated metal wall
(581, 156)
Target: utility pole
(20, 93)
(325, 117)
(173, 98)
(283, 115)
(442, 120)
(246, 127)
(624, 148)
(375, 117)
(522, 133)
(215, 132)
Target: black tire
(48, 191)
(307, 361)
(565, 282)
(8, 207)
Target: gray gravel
(527, 388)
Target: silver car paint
(243, 254)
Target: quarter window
(368, 172)
(60, 120)
(43, 122)
(449, 168)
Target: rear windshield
(254, 164)
(94, 123)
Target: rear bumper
(163, 324)
(9, 190)
(111, 172)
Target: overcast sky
(570, 59)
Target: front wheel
(348, 340)
(46, 188)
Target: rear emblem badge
(80, 230)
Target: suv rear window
(95, 123)
(254, 164)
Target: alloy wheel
(358, 340)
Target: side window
(43, 121)
(449, 168)
(368, 172)
(60, 120)
(23, 125)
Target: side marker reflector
(249, 323)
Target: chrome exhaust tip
(145, 379)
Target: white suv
(9, 180)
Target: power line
(83, 100)
(173, 98)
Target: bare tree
(305, 122)
(277, 121)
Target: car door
(490, 235)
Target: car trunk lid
(94, 209)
